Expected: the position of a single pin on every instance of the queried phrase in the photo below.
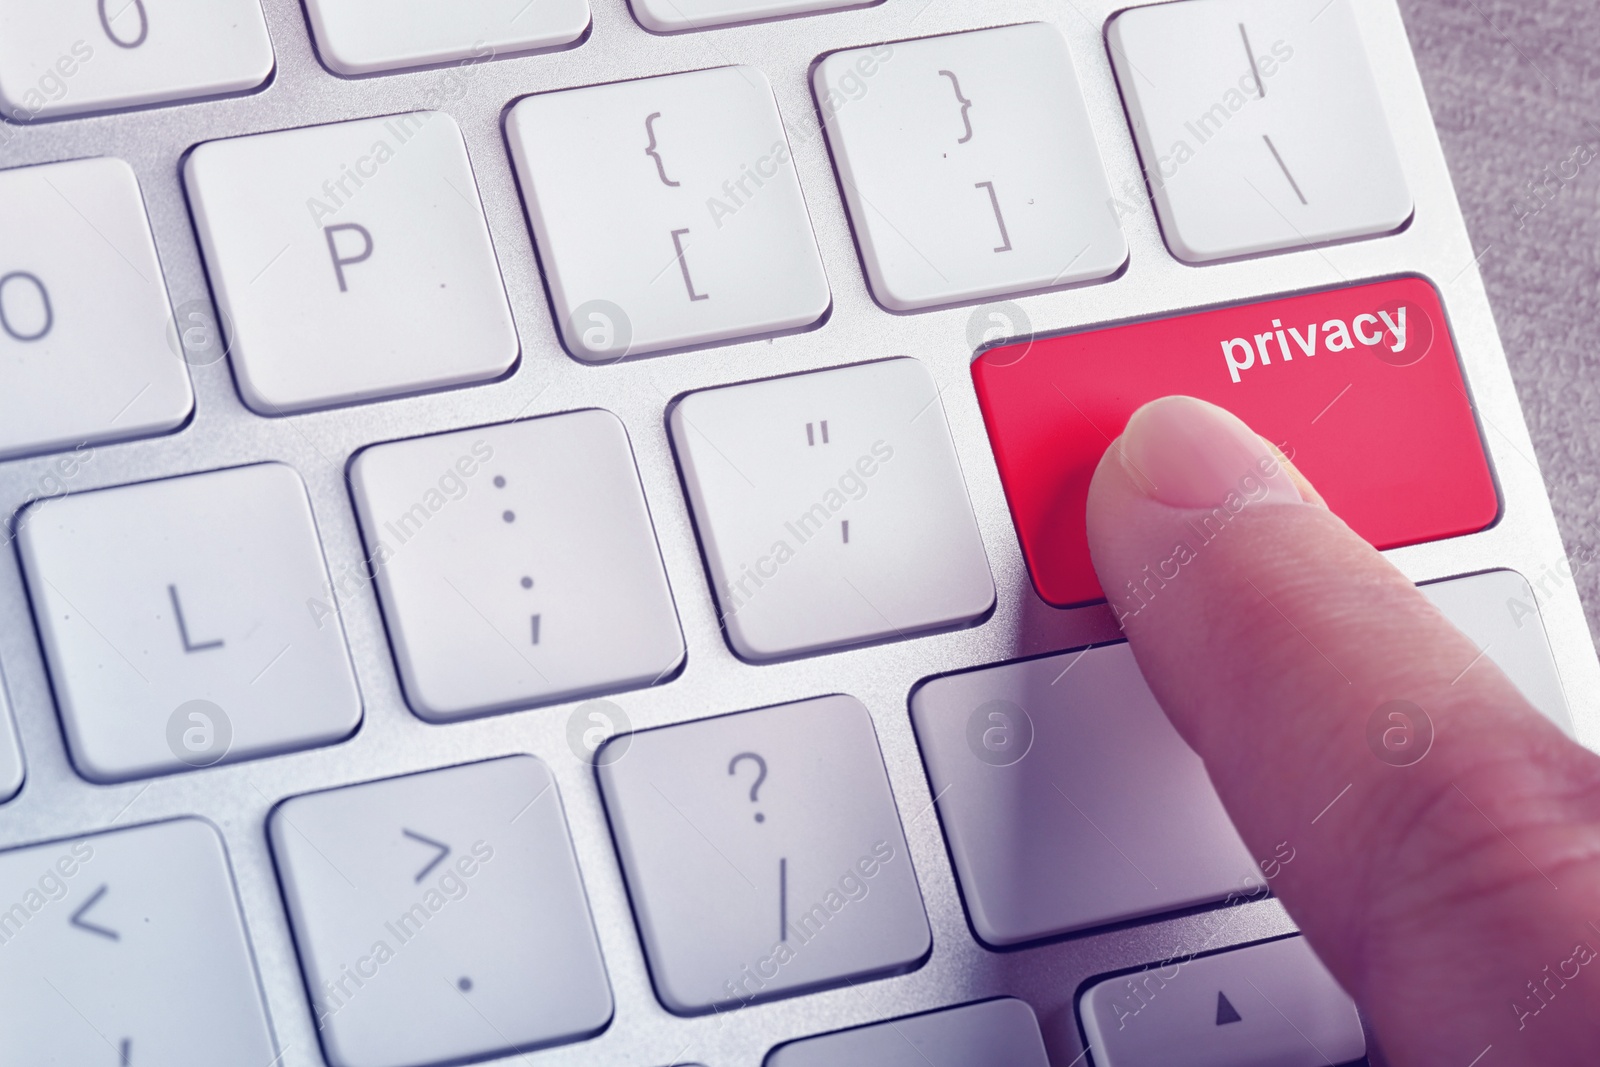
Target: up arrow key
(1203, 1025)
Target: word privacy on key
(1359, 386)
(1241, 354)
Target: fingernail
(1187, 453)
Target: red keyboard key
(1360, 386)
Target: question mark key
(746, 837)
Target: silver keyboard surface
(1057, 954)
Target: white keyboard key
(995, 1032)
(667, 212)
(831, 509)
(1272, 1003)
(72, 59)
(127, 948)
(1068, 799)
(764, 855)
(11, 770)
(440, 917)
(1498, 611)
(969, 166)
(369, 36)
(353, 261)
(1258, 124)
(188, 621)
(517, 564)
(668, 16)
(84, 318)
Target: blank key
(1499, 613)
(831, 508)
(87, 349)
(440, 917)
(188, 621)
(370, 36)
(1068, 799)
(994, 1033)
(59, 59)
(667, 16)
(352, 261)
(1258, 124)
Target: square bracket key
(969, 166)
(763, 854)
(667, 213)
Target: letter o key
(44, 301)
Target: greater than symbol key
(444, 850)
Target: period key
(1360, 386)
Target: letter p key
(341, 262)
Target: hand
(1456, 899)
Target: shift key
(1359, 386)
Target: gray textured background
(1515, 92)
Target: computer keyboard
(539, 530)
